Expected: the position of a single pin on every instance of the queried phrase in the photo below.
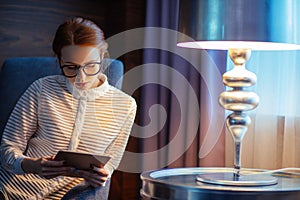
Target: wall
(27, 28)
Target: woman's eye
(72, 67)
(91, 65)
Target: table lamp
(239, 26)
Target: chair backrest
(18, 73)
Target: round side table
(182, 184)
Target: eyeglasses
(89, 69)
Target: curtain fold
(180, 101)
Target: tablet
(83, 161)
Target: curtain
(181, 121)
(273, 139)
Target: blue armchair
(18, 73)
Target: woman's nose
(80, 75)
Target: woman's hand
(45, 167)
(96, 177)
(48, 168)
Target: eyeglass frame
(81, 66)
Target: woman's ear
(103, 50)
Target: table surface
(181, 183)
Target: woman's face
(74, 56)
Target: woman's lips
(81, 84)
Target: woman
(77, 111)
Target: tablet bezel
(82, 161)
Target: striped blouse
(54, 115)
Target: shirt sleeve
(117, 148)
(21, 125)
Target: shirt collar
(89, 94)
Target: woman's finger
(52, 174)
(96, 182)
(52, 163)
(100, 171)
(94, 179)
(55, 169)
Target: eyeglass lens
(89, 69)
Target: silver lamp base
(229, 179)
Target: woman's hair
(78, 31)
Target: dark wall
(27, 28)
